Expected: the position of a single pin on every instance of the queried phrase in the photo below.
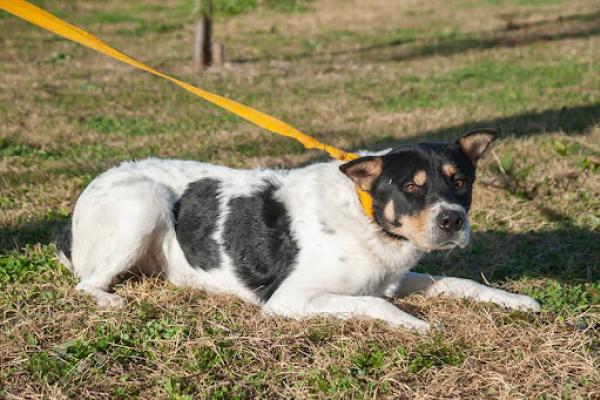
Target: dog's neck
(344, 205)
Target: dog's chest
(336, 258)
(365, 278)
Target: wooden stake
(203, 46)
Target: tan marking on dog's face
(414, 228)
(449, 169)
(389, 212)
(420, 177)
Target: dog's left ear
(363, 171)
(474, 144)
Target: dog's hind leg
(114, 230)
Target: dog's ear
(363, 171)
(474, 144)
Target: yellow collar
(366, 201)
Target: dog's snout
(450, 221)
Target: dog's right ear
(363, 171)
(474, 144)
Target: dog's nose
(450, 220)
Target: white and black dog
(295, 241)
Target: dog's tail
(64, 240)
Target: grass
(356, 74)
(504, 85)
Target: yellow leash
(45, 20)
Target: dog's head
(422, 192)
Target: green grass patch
(111, 17)
(435, 354)
(564, 298)
(222, 9)
(337, 381)
(113, 342)
(179, 387)
(129, 126)
(143, 28)
(10, 147)
(507, 3)
(502, 85)
(288, 6)
(368, 361)
(206, 358)
(228, 8)
(25, 277)
(27, 266)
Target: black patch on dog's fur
(258, 238)
(64, 240)
(196, 215)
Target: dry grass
(356, 74)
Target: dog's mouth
(449, 245)
(426, 247)
(427, 237)
(392, 235)
(441, 247)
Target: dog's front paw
(413, 324)
(111, 300)
(520, 302)
(422, 327)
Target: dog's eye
(411, 188)
(459, 183)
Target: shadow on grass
(567, 254)
(571, 27)
(514, 34)
(391, 43)
(42, 231)
(571, 120)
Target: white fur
(124, 218)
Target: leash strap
(51, 23)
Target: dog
(297, 242)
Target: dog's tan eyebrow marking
(420, 177)
(449, 169)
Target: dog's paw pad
(111, 300)
(416, 326)
(523, 303)
(421, 328)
